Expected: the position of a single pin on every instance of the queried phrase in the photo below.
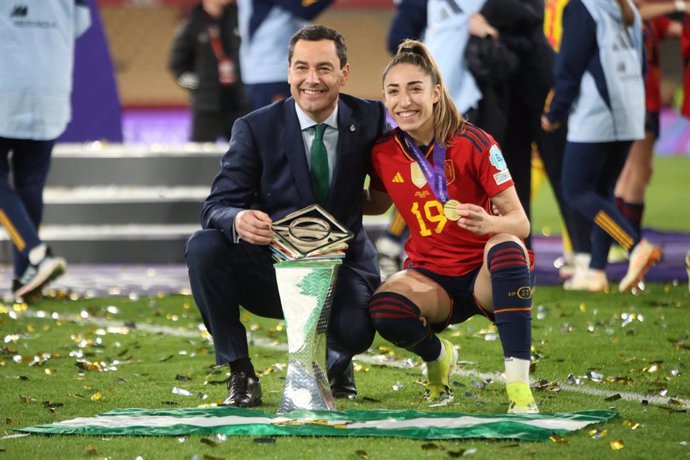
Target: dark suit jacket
(266, 168)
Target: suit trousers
(224, 275)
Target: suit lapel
(347, 126)
(293, 145)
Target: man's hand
(549, 126)
(254, 226)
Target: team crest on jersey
(450, 171)
(417, 175)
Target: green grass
(664, 207)
(573, 334)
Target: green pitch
(64, 359)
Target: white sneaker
(565, 265)
(642, 258)
(588, 280)
(36, 276)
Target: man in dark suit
(264, 176)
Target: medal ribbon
(436, 175)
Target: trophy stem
(306, 293)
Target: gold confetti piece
(49, 371)
(430, 446)
(630, 424)
(89, 366)
(52, 405)
(558, 439)
(583, 308)
(362, 454)
(653, 368)
(596, 434)
(97, 396)
(617, 444)
(208, 442)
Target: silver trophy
(309, 246)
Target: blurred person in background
(37, 48)
(637, 172)
(205, 60)
(599, 87)
(265, 27)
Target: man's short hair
(314, 33)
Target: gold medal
(450, 210)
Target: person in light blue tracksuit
(36, 61)
(600, 88)
(265, 28)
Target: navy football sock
(396, 319)
(512, 293)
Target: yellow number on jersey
(433, 214)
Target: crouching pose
(464, 258)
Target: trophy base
(306, 387)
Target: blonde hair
(626, 12)
(447, 119)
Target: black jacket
(192, 54)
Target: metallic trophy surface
(309, 246)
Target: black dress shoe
(243, 391)
(343, 385)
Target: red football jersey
(475, 171)
(654, 30)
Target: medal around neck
(309, 246)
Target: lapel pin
(352, 128)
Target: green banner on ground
(379, 423)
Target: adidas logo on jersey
(398, 178)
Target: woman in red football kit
(444, 175)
